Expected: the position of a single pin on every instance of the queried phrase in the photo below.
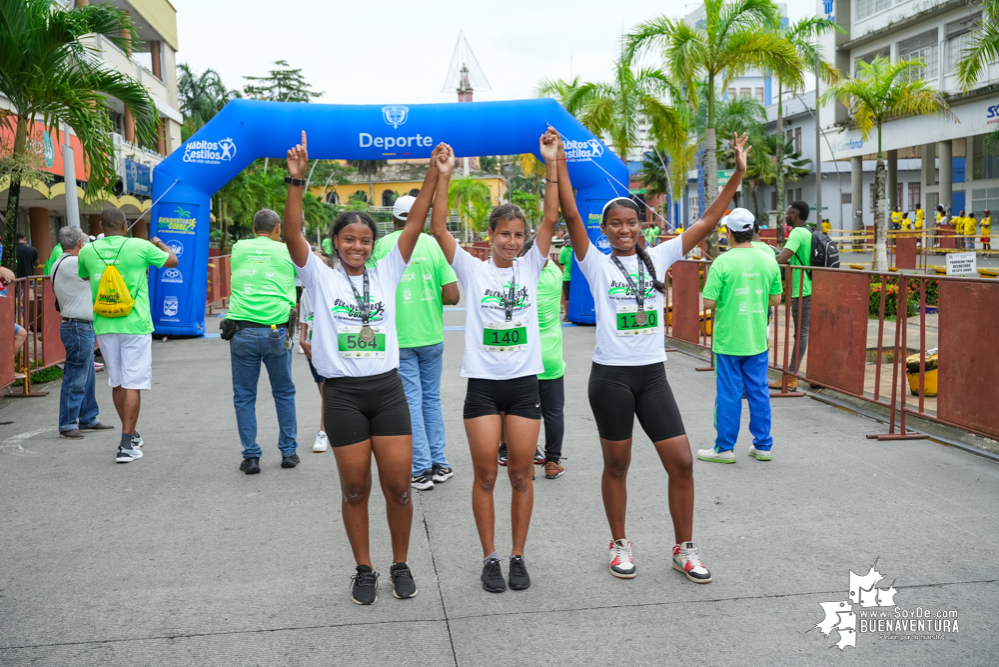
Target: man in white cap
(741, 284)
(427, 284)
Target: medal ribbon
(640, 289)
(363, 305)
(509, 300)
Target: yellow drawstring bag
(113, 298)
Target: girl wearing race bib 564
(628, 378)
(502, 360)
(355, 347)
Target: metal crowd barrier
(951, 381)
(30, 303)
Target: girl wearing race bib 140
(628, 378)
(502, 360)
(356, 350)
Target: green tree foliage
(880, 91)
(46, 71)
(201, 97)
(464, 194)
(282, 84)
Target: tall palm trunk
(779, 183)
(880, 259)
(14, 194)
(711, 166)
(756, 204)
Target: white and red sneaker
(686, 560)
(622, 564)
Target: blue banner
(138, 178)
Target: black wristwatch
(294, 181)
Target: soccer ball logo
(395, 115)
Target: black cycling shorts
(518, 397)
(619, 393)
(315, 374)
(355, 409)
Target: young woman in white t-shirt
(356, 349)
(628, 378)
(502, 360)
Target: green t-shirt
(800, 244)
(565, 259)
(765, 247)
(740, 282)
(549, 309)
(56, 254)
(132, 261)
(263, 281)
(418, 304)
(327, 245)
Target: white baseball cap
(402, 205)
(739, 220)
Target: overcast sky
(398, 51)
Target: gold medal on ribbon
(641, 318)
(367, 335)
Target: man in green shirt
(263, 296)
(565, 259)
(798, 252)
(427, 284)
(53, 257)
(550, 383)
(742, 283)
(125, 342)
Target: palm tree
(46, 71)
(733, 38)
(464, 194)
(368, 168)
(802, 36)
(201, 97)
(614, 110)
(983, 48)
(532, 169)
(880, 91)
(771, 150)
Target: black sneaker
(403, 586)
(422, 482)
(492, 576)
(519, 579)
(290, 461)
(136, 440)
(442, 473)
(250, 466)
(365, 588)
(502, 454)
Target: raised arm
(418, 213)
(574, 223)
(709, 220)
(549, 152)
(444, 161)
(291, 224)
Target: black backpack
(824, 251)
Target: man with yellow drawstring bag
(116, 267)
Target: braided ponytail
(644, 256)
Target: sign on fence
(962, 264)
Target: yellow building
(397, 178)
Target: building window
(898, 194)
(984, 199)
(915, 195)
(845, 198)
(731, 93)
(867, 8)
(797, 195)
(759, 96)
(797, 140)
(986, 163)
(921, 46)
(869, 58)
(693, 213)
(959, 35)
(745, 92)
(332, 197)
(388, 198)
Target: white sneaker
(759, 454)
(322, 443)
(686, 560)
(301, 351)
(127, 455)
(622, 564)
(727, 456)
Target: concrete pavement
(180, 559)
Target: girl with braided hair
(628, 378)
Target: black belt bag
(229, 326)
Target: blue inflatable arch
(247, 129)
